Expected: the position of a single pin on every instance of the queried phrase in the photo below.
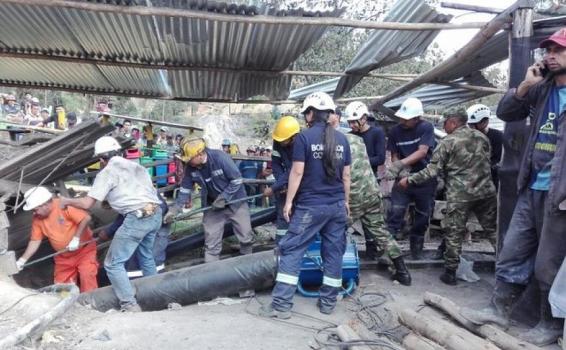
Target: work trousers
(306, 222)
(535, 242)
(280, 223)
(373, 223)
(423, 197)
(78, 267)
(134, 233)
(214, 220)
(457, 215)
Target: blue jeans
(423, 197)
(306, 222)
(535, 243)
(133, 233)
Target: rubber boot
(449, 277)
(502, 300)
(416, 245)
(439, 253)
(371, 250)
(401, 274)
(548, 329)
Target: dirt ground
(237, 326)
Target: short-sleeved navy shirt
(404, 142)
(315, 189)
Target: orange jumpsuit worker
(66, 229)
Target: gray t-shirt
(125, 184)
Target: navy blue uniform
(281, 162)
(374, 139)
(404, 142)
(319, 207)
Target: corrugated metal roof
(440, 97)
(159, 40)
(385, 47)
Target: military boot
(499, 309)
(416, 244)
(547, 330)
(449, 277)
(401, 274)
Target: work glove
(219, 203)
(74, 244)
(20, 263)
(394, 170)
(171, 214)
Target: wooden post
(516, 133)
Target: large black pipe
(192, 284)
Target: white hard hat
(356, 110)
(106, 144)
(477, 113)
(411, 108)
(164, 128)
(320, 101)
(35, 197)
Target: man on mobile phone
(535, 244)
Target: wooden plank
(155, 122)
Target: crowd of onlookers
(30, 111)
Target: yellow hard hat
(190, 148)
(286, 127)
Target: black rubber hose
(192, 284)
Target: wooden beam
(156, 122)
(474, 8)
(258, 19)
(459, 58)
(30, 127)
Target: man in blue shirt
(535, 242)
(357, 115)
(411, 143)
(220, 183)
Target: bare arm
(31, 249)
(416, 156)
(82, 225)
(295, 177)
(84, 203)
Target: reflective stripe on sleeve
(280, 232)
(237, 181)
(332, 282)
(185, 190)
(285, 278)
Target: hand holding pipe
(57, 253)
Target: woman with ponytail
(316, 203)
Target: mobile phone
(543, 71)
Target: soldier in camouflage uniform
(367, 206)
(462, 159)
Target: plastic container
(147, 160)
(160, 169)
(171, 168)
(133, 154)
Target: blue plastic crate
(311, 273)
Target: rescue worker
(478, 118)
(462, 160)
(411, 143)
(366, 205)
(357, 115)
(67, 230)
(316, 203)
(220, 183)
(535, 244)
(284, 135)
(128, 189)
